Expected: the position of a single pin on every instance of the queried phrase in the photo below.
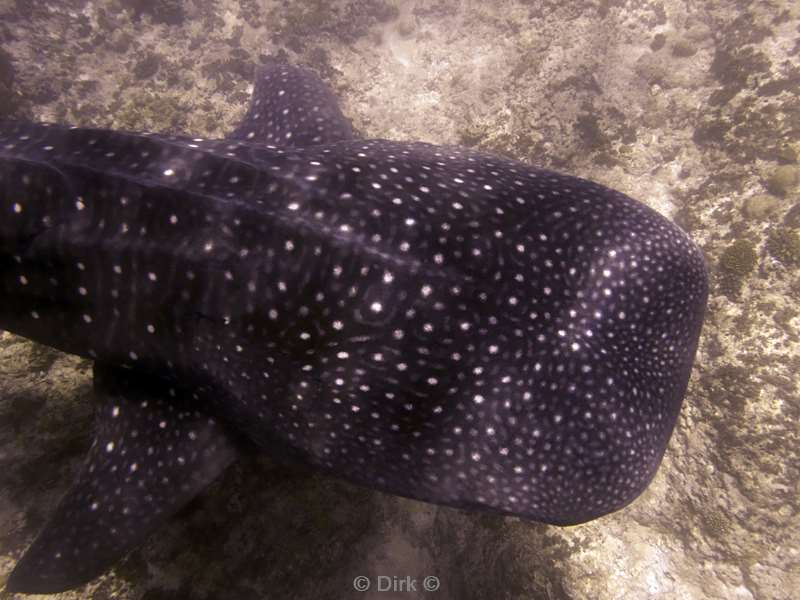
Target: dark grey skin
(432, 322)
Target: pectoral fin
(152, 453)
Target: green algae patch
(739, 258)
(759, 207)
(168, 12)
(787, 153)
(783, 244)
(717, 524)
(305, 21)
(309, 17)
(145, 111)
(472, 134)
(736, 263)
(682, 48)
(782, 180)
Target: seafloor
(691, 107)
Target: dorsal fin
(291, 106)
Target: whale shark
(434, 322)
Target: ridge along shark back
(433, 322)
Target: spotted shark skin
(433, 322)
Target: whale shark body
(433, 322)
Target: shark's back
(430, 321)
